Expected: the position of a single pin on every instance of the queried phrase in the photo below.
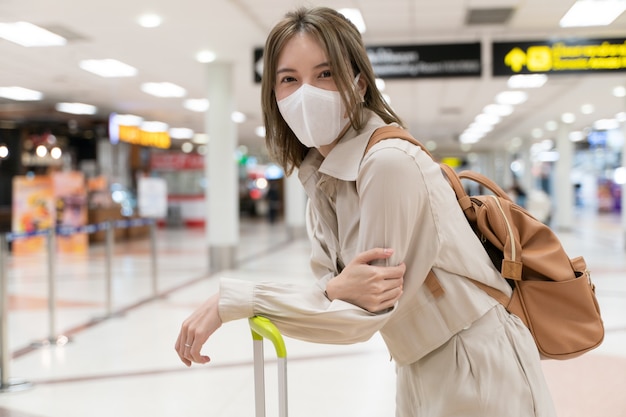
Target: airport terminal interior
(112, 227)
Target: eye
(326, 74)
(287, 79)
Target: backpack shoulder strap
(388, 132)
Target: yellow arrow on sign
(515, 59)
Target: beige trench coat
(394, 197)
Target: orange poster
(42, 202)
(33, 211)
(70, 197)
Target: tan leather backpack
(552, 294)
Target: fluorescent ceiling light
(164, 89)
(527, 81)
(593, 13)
(470, 137)
(108, 68)
(76, 108)
(354, 15)
(511, 97)
(154, 127)
(197, 104)
(127, 120)
(501, 110)
(20, 94)
(181, 133)
(487, 119)
(27, 34)
(606, 124)
(150, 20)
(576, 136)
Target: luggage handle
(262, 327)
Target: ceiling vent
(489, 16)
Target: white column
(222, 226)
(295, 206)
(623, 205)
(563, 191)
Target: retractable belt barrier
(6, 384)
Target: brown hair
(347, 56)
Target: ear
(361, 86)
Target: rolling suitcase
(263, 328)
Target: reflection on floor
(119, 358)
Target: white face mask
(315, 115)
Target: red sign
(169, 161)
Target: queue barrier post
(53, 338)
(6, 384)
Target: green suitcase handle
(262, 327)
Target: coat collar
(344, 160)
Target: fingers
(373, 255)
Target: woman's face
(302, 61)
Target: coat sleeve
(397, 210)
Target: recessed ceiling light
(181, 133)
(593, 13)
(76, 108)
(587, 109)
(27, 34)
(551, 126)
(197, 104)
(238, 117)
(568, 118)
(205, 56)
(186, 147)
(164, 89)
(150, 20)
(20, 94)
(619, 91)
(108, 68)
(260, 131)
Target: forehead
(301, 49)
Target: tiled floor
(120, 361)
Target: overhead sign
(559, 57)
(414, 61)
(426, 61)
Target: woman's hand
(371, 287)
(196, 330)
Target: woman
(458, 352)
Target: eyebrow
(287, 70)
